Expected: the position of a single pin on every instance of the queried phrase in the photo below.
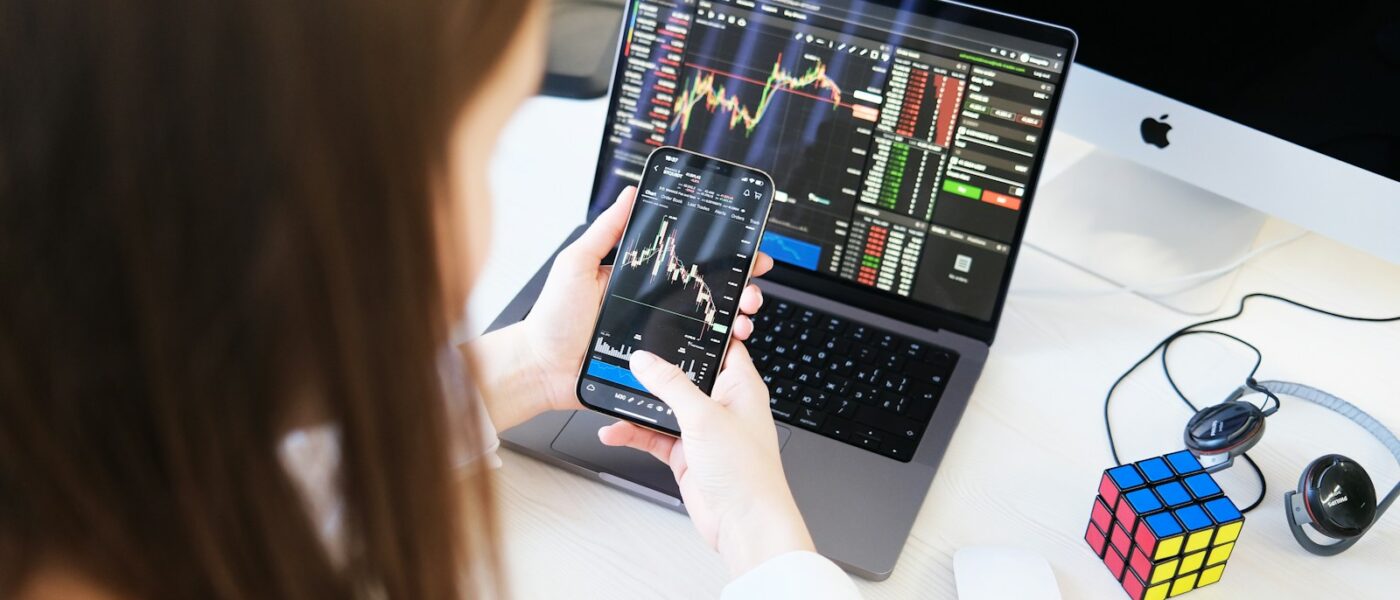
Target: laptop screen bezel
(846, 292)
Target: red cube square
(1139, 563)
(1126, 516)
(1114, 561)
(1120, 540)
(1108, 491)
(1097, 540)
(1134, 585)
(1101, 516)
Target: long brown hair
(213, 216)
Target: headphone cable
(1191, 330)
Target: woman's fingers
(743, 327)
(667, 382)
(739, 385)
(626, 434)
(602, 236)
(762, 264)
(751, 299)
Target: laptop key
(898, 449)
(868, 443)
(866, 354)
(940, 357)
(783, 410)
(784, 391)
(843, 367)
(837, 428)
(923, 373)
(922, 401)
(895, 383)
(811, 398)
(866, 431)
(914, 351)
(887, 341)
(895, 403)
(845, 409)
(809, 418)
(863, 393)
(887, 421)
(837, 347)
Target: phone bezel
(748, 278)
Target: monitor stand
(1140, 228)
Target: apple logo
(1154, 131)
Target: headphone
(1335, 496)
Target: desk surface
(1023, 466)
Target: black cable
(1184, 331)
(1258, 360)
(1263, 484)
(1249, 379)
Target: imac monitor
(1205, 117)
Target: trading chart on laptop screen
(902, 147)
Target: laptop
(906, 140)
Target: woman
(233, 238)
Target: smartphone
(685, 257)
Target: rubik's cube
(1162, 526)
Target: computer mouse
(999, 572)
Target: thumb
(602, 236)
(667, 382)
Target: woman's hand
(726, 460)
(533, 366)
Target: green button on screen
(954, 186)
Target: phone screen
(684, 259)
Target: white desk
(1024, 464)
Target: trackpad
(579, 440)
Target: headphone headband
(1292, 505)
(1328, 401)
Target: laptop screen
(904, 142)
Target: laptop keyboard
(861, 385)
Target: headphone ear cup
(1339, 496)
(1231, 427)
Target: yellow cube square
(1228, 532)
(1210, 575)
(1193, 561)
(1157, 592)
(1184, 584)
(1220, 554)
(1168, 547)
(1198, 540)
(1164, 571)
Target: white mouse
(999, 572)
